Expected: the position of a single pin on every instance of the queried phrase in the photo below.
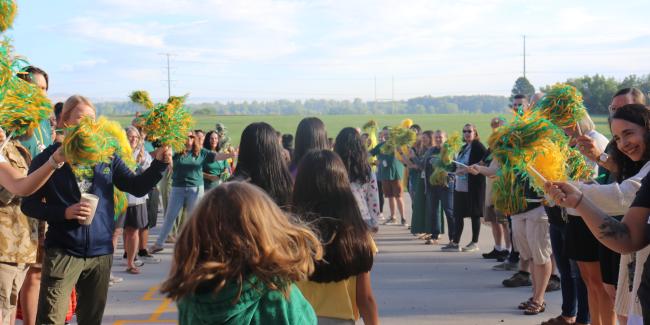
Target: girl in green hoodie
(237, 258)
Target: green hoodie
(256, 305)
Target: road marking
(165, 306)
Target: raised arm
(139, 185)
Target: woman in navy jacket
(79, 255)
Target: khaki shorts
(11, 280)
(392, 188)
(490, 214)
(530, 232)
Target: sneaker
(431, 241)
(519, 279)
(390, 221)
(155, 249)
(493, 254)
(471, 247)
(405, 224)
(505, 266)
(553, 283)
(149, 259)
(451, 247)
(114, 279)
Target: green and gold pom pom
(527, 141)
(141, 97)
(562, 105)
(168, 123)
(22, 105)
(120, 203)
(8, 11)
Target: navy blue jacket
(61, 191)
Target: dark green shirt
(388, 166)
(257, 305)
(218, 168)
(188, 169)
(42, 135)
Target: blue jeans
(574, 291)
(437, 197)
(178, 197)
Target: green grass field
(334, 123)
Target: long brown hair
(237, 231)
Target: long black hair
(639, 115)
(206, 141)
(322, 196)
(310, 135)
(261, 163)
(353, 153)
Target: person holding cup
(80, 255)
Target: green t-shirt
(148, 147)
(217, 167)
(257, 305)
(188, 169)
(42, 137)
(389, 168)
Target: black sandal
(524, 305)
(535, 308)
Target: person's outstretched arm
(12, 180)
(625, 236)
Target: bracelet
(54, 164)
(579, 200)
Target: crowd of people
(281, 229)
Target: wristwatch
(603, 158)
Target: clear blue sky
(259, 49)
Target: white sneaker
(471, 247)
(114, 279)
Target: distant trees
(597, 92)
(418, 105)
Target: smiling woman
(631, 129)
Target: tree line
(597, 92)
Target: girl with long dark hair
(260, 162)
(363, 182)
(339, 289)
(310, 135)
(216, 171)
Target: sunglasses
(467, 131)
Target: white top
(134, 200)
(462, 180)
(615, 199)
(601, 143)
(367, 198)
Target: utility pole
(392, 96)
(375, 103)
(169, 79)
(524, 36)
